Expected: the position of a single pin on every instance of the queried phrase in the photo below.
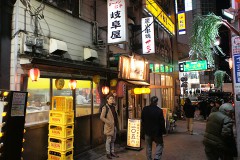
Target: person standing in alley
(189, 110)
(219, 139)
(153, 124)
(110, 118)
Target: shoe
(114, 155)
(109, 156)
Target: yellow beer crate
(61, 131)
(60, 155)
(62, 103)
(62, 118)
(60, 144)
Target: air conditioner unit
(57, 47)
(90, 54)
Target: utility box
(57, 47)
(90, 54)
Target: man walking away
(154, 127)
(218, 139)
(110, 118)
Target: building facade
(69, 40)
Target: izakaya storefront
(87, 97)
(133, 74)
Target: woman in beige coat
(110, 118)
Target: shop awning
(69, 67)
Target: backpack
(107, 108)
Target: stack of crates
(61, 127)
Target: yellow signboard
(182, 23)
(161, 16)
(133, 136)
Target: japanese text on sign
(116, 21)
(181, 23)
(133, 136)
(148, 43)
(18, 104)
(156, 11)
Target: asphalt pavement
(178, 145)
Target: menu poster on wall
(18, 104)
(133, 134)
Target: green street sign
(193, 66)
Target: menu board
(133, 135)
(18, 104)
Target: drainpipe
(6, 11)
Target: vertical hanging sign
(148, 44)
(181, 23)
(116, 21)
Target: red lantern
(72, 84)
(34, 74)
(105, 90)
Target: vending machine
(12, 120)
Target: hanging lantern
(72, 84)
(34, 74)
(137, 90)
(96, 79)
(105, 90)
(113, 82)
(59, 83)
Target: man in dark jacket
(218, 139)
(154, 127)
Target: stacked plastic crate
(61, 126)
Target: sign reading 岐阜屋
(160, 15)
(116, 21)
(193, 66)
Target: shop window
(163, 80)
(38, 104)
(168, 81)
(83, 98)
(151, 78)
(157, 79)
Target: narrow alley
(178, 146)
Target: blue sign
(237, 68)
